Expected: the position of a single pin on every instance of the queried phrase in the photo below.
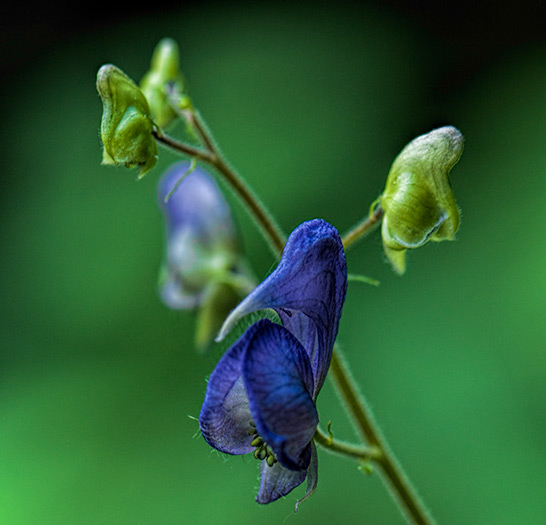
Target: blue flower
(203, 267)
(262, 395)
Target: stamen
(252, 430)
(256, 442)
(263, 450)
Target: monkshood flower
(261, 396)
(418, 200)
(203, 268)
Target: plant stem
(181, 147)
(194, 117)
(364, 227)
(276, 238)
(346, 449)
(398, 482)
(212, 156)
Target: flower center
(263, 450)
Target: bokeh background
(99, 383)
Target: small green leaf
(362, 279)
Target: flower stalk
(363, 454)
(363, 228)
(398, 482)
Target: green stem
(274, 234)
(265, 219)
(363, 454)
(363, 228)
(212, 156)
(194, 117)
(398, 482)
(181, 147)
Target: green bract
(164, 70)
(418, 201)
(126, 126)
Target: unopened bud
(164, 73)
(418, 201)
(126, 126)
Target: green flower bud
(126, 126)
(164, 70)
(418, 201)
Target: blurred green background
(99, 381)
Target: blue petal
(277, 481)
(225, 416)
(312, 476)
(176, 295)
(279, 383)
(197, 204)
(200, 233)
(307, 290)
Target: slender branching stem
(377, 450)
(364, 227)
(195, 119)
(181, 147)
(274, 234)
(398, 482)
(211, 155)
(364, 454)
